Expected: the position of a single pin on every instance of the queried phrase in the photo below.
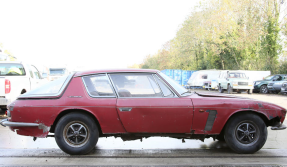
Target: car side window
(204, 77)
(135, 85)
(276, 78)
(165, 90)
(35, 72)
(98, 85)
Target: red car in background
(133, 104)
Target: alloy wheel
(76, 134)
(247, 132)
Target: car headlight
(256, 83)
(250, 83)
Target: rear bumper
(284, 90)
(6, 122)
(209, 87)
(27, 129)
(4, 101)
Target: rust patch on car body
(45, 128)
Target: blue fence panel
(168, 72)
(180, 76)
(177, 76)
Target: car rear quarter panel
(75, 97)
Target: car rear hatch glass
(50, 89)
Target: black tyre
(263, 89)
(220, 89)
(245, 133)
(76, 133)
(229, 89)
(250, 91)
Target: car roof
(89, 72)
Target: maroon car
(133, 104)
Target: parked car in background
(234, 81)
(275, 86)
(284, 88)
(57, 72)
(135, 104)
(17, 78)
(261, 85)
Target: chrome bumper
(6, 122)
(278, 127)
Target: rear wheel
(229, 89)
(263, 89)
(220, 89)
(245, 133)
(76, 133)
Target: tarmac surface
(16, 150)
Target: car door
(146, 104)
(278, 84)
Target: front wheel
(245, 133)
(229, 89)
(76, 133)
(263, 89)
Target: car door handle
(125, 109)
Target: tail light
(7, 86)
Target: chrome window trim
(102, 74)
(168, 85)
(113, 86)
(116, 72)
(164, 82)
(142, 73)
(157, 85)
(68, 79)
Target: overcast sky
(94, 34)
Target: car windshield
(236, 75)
(53, 88)
(8, 69)
(269, 77)
(181, 90)
(58, 71)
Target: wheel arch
(67, 111)
(268, 122)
